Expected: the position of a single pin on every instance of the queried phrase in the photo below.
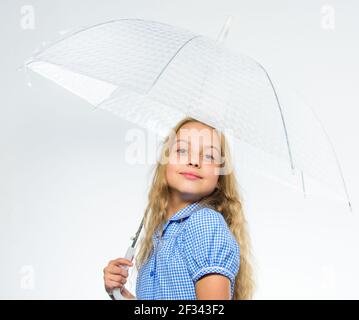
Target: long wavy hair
(225, 199)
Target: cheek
(171, 171)
(209, 173)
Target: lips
(190, 175)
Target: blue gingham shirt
(195, 241)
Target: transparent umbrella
(154, 74)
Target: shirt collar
(181, 214)
(185, 212)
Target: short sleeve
(209, 246)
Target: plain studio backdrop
(70, 200)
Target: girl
(196, 244)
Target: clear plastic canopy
(154, 74)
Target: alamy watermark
(327, 17)
(27, 277)
(27, 17)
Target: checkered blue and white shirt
(196, 241)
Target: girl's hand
(116, 277)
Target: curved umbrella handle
(117, 292)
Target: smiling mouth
(190, 176)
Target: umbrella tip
(350, 206)
(24, 67)
(225, 29)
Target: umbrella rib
(326, 134)
(169, 61)
(303, 185)
(281, 114)
(335, 156)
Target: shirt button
(152, 273)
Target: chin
(187, 190)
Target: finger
(113, 284)
(121, 261)
(119, 279)
(113, 269)
(118, 270)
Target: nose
(195, 165)
(193, 162)
(194, 159)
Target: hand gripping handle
(117, 291)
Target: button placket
(153, 267)
(157, 247)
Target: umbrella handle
(129, 255)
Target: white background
(69, 200)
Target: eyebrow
(212, 147)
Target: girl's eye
(208, 157)
(180, 150)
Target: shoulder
(206, 220)
(207, 229)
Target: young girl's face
(194, 158)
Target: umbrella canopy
(154, 74)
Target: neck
(176, 203)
